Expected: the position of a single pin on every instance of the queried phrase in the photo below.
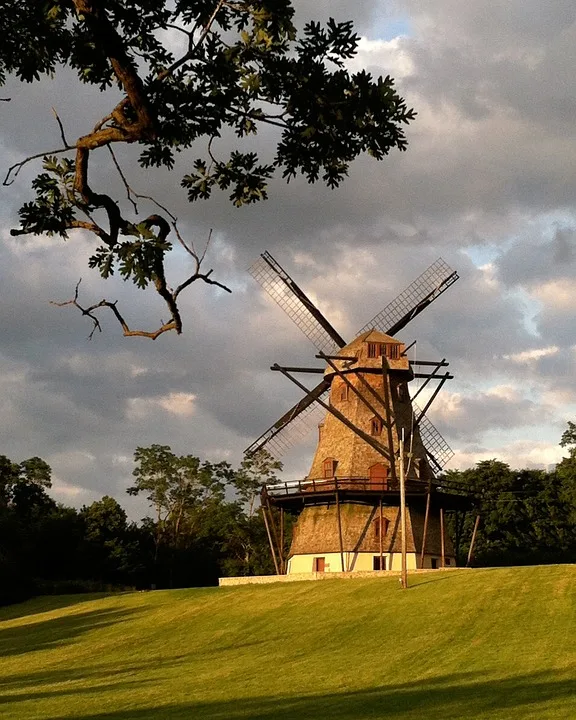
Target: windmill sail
(415, 298)
(294, 426)
(439, 452)
(302, 311)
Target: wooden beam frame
(381, 535)
(367, 438)
(425, 530)
(270, 541)
(442, 540)
(339, 519)
(472, 541)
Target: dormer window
(376, 426)
(389, 350)
(343, 393)
(374, 350)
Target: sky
(488, 183)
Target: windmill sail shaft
(292, 299)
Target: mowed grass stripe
(494, 643)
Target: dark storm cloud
(529, 262)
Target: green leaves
(242, 66)
(139, 261)
(247, 178)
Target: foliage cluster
(204, 525)
(527, 516)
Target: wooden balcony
(296, 494)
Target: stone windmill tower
(373, 442)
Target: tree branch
(192, 46)
(9, 177)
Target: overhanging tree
(244, 66)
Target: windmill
(373, 441)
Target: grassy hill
(497, 643)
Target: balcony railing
(359, 485)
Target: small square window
(379, 563)
(375, 426)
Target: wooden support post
(471, 550)
(381, 536)
(425, 532)
(274, 532)
(282, 560)
(389, 420)
(339, 526)
(404, 574)
(442, 540)
(264, 515)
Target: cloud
(529, 356)
(175, 403)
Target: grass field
(497, 643)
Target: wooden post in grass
(381, 535)
(404, 573)
(339, 525)
(425, 532)
(281, 548)
(442, 540)
(471, 550)
(270, 540)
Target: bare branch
(131, 193)
(9, 177)
(62, 135)
(89, 312)
(190, 249)
(123, 177)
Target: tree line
(205, 523)
(527, 516)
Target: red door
(319, 564)
(379, 477)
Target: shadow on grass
(451, 697)
(47, 603)
(55, 632)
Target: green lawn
(462, 644)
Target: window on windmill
(330, 467)
(392, 351)
(380, 526)
(374, 349)
(379, 563)
(375, 426)
(344, 392)
(402, 393)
